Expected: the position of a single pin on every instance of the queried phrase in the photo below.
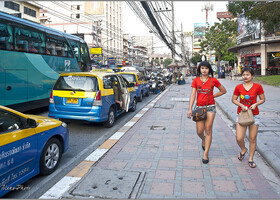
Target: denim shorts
(210, 108)
(256, 117)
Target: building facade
(21, 9)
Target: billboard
(96, 50)
(199, 33)
(247, 30)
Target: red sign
(123, 63)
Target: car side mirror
(131, 85)
(31, 123)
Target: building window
(78, 7)
(30, 12)
(78, 16)
(12, 5)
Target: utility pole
(173, 34)
(207, 7)
(183, 45)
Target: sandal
(252, 164)
(241, 156)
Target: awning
(236, 48)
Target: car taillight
(136, 86)
(97, 99)
(51, 97)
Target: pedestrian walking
(248, 92)
(203, 86)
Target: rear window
(77, 83)
(129, 77)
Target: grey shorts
(256, 117)
(210, 108)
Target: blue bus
(31, 58)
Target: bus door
(16, 86)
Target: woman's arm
(192, 98)
(236, 102)
(221, 92)
(261, 101)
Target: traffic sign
(97, 56)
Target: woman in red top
(248, 92)
(201, 86)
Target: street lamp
(106, 48)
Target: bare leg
(200, 131)
(253, 131)
(240, 135)
(208, 133)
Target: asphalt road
(84, 139)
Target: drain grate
(102, 183)
(169, 106)
(158, 128)
(180, 99)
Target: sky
(186, 13)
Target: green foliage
(270, 80)
(219, 38)
(167, 61)
(196, 58)
(267, 12)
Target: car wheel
(50, 156)
(134, 103)
(141, 97)
(111, 118)
(147, 93)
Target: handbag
(246, 118)
(200, 113)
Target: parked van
(90, 96)
(139, 79)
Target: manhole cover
(158, 128)
(169, 106)
(102, 183)
(180, 99)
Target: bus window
(6, 37)
(29, 41)
(75, 46)
(57, 46)
(85, 56)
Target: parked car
(30, 145)
(90, 96)
(140, 82)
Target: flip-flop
(241, 156)
(252, 164)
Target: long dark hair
(206, 64)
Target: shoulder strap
(209, 91)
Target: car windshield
(77, 83)
(129, 77)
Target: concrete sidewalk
(158, 155)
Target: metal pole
(173, 35)
(183, 45)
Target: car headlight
(64, 125)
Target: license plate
(72, 100)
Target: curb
(78, 172)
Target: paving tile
(171, 141)
(192, 173)
(162, 188)
(167, 163)
(224, 186)
(190, 147)
(151, 149)
(153, 142)
(218, 161)
(124, 156)
(191, 163)
(220, 172)
(166, 154)
(129, 149)
(146, 155)
(142, 164)
(170, 148)
(249, 185)
(193, 187)
(165, 174)
(117, 165)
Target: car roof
(92, 73)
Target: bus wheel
(50, 157)
(111, 118)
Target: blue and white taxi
(30, 145)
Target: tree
(196, 58)
(219, 38)
(267, 12)
(167, 61)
